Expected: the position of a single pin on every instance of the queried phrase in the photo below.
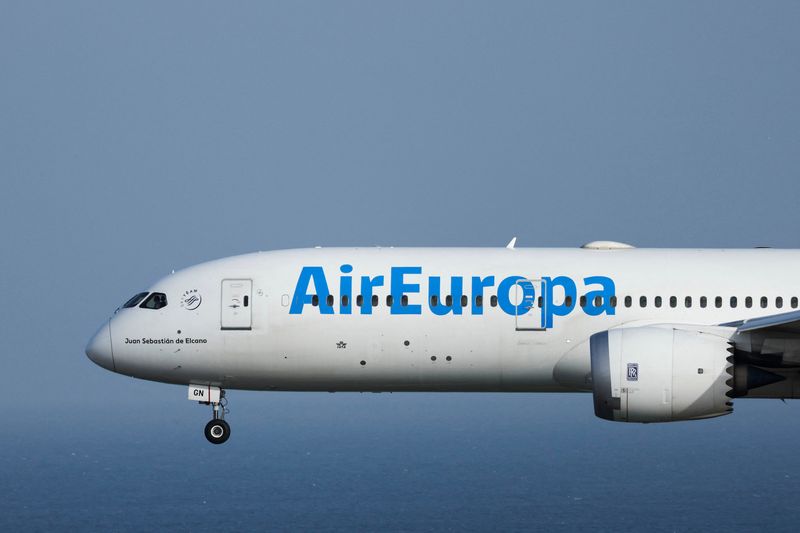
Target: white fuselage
(281, 339)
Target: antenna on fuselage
(511, 243)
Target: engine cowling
(660, 374)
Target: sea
(392, 462)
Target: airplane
(655, 335)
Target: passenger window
(703, 302)
(583, 301)
(673, 301)
(718, 302)
(404, 300)
(613, 301)
(748, 302)
(598, 301)
(389, 300)
(657, 301)
(493, 301)
(540, 300)
(434, 300)
(734, 302)
(568, 301)
(360, 300)
(157, 300)
(329, 300)
(479, 301)
(643, 301)
(374, 300)
(315, 300)
(448, 300)
(345, 301)
(764, 301)
(688, 302)
(628, 301)
(464, 300)
(778, 302)
(794, 302)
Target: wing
(782, 323)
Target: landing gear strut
(217, 430)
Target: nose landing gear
(217, 430)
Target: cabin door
(528, 315)
(237, 304)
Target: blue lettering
(456, 291)
(550, 309)
(312, 288)
(478, 285)
(301, 296)
(400, 288)
(346, 290)
(504, 295)
(608, 290)
(367, 285)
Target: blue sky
(140, 138)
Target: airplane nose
(99, 348)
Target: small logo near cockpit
(191, 300)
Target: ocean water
(394, 462)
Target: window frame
(137, 298)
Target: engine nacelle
(660, 374)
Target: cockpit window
(133, 302)
(157, 300)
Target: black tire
(217, 431)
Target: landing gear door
(529, 316)
(237, 304)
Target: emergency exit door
(236, 304)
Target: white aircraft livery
(655, 335)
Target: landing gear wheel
(217, 431)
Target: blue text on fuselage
(406, 281)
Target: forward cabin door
(236, 304)
(529, 316)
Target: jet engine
(664, 374)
